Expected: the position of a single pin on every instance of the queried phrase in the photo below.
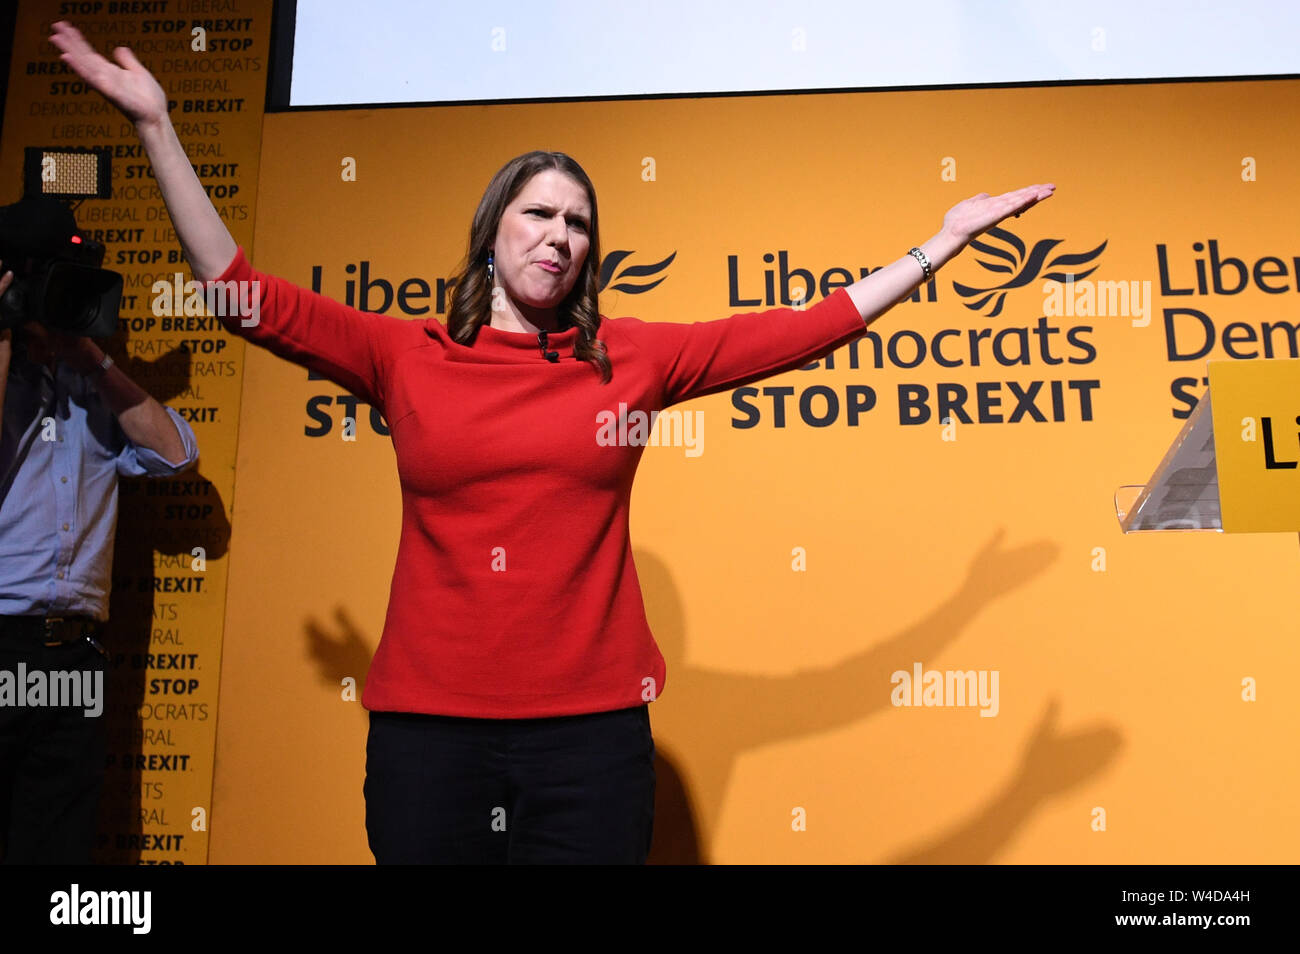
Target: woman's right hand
(128, 86)
(204, 238)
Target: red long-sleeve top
(514, 593)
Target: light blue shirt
(58, 511)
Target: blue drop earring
(490, 269)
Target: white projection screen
(429, 51)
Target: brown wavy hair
(471, 299)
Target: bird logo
(616, 258)
(1011, 258)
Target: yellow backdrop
(1144, 712)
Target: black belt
(55, 630)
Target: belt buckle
(48, 625)
(47, 628)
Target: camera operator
(72, 423)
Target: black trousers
(563, 790)
(51, 762)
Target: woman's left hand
(973, 216)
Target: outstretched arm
(294, 323)
(709, 356)
(204, 238)
(885, 287)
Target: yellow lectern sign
(1256, 407)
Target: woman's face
(548, 222)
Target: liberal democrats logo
(634, 279)
(1023, 267)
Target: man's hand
(80, 354)
(6, 347)
(6, 334)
